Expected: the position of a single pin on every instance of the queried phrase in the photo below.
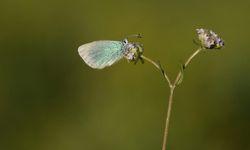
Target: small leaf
(182, 75)
(142, 60)
(162, 70)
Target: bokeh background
(51, 100)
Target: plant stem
(170, 101)
(186, 64)
(172, 88)
(158, 66)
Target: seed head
(209, 39)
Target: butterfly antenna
(135, 35)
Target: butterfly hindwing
(100, 54)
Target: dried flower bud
(133, 52)
(209, 39)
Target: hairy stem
(172, 88)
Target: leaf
(142, 60)
(182, 75)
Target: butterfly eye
(125, 41)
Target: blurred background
(51, 100)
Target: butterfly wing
(100, 54)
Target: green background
(51, 100)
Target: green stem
(158, 66)
(172, 88)
(170, 101)
(186, 64)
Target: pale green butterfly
(100, 54)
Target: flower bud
(209, 39)
(133, 52)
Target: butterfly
(104, 53)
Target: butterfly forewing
(100, 54)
